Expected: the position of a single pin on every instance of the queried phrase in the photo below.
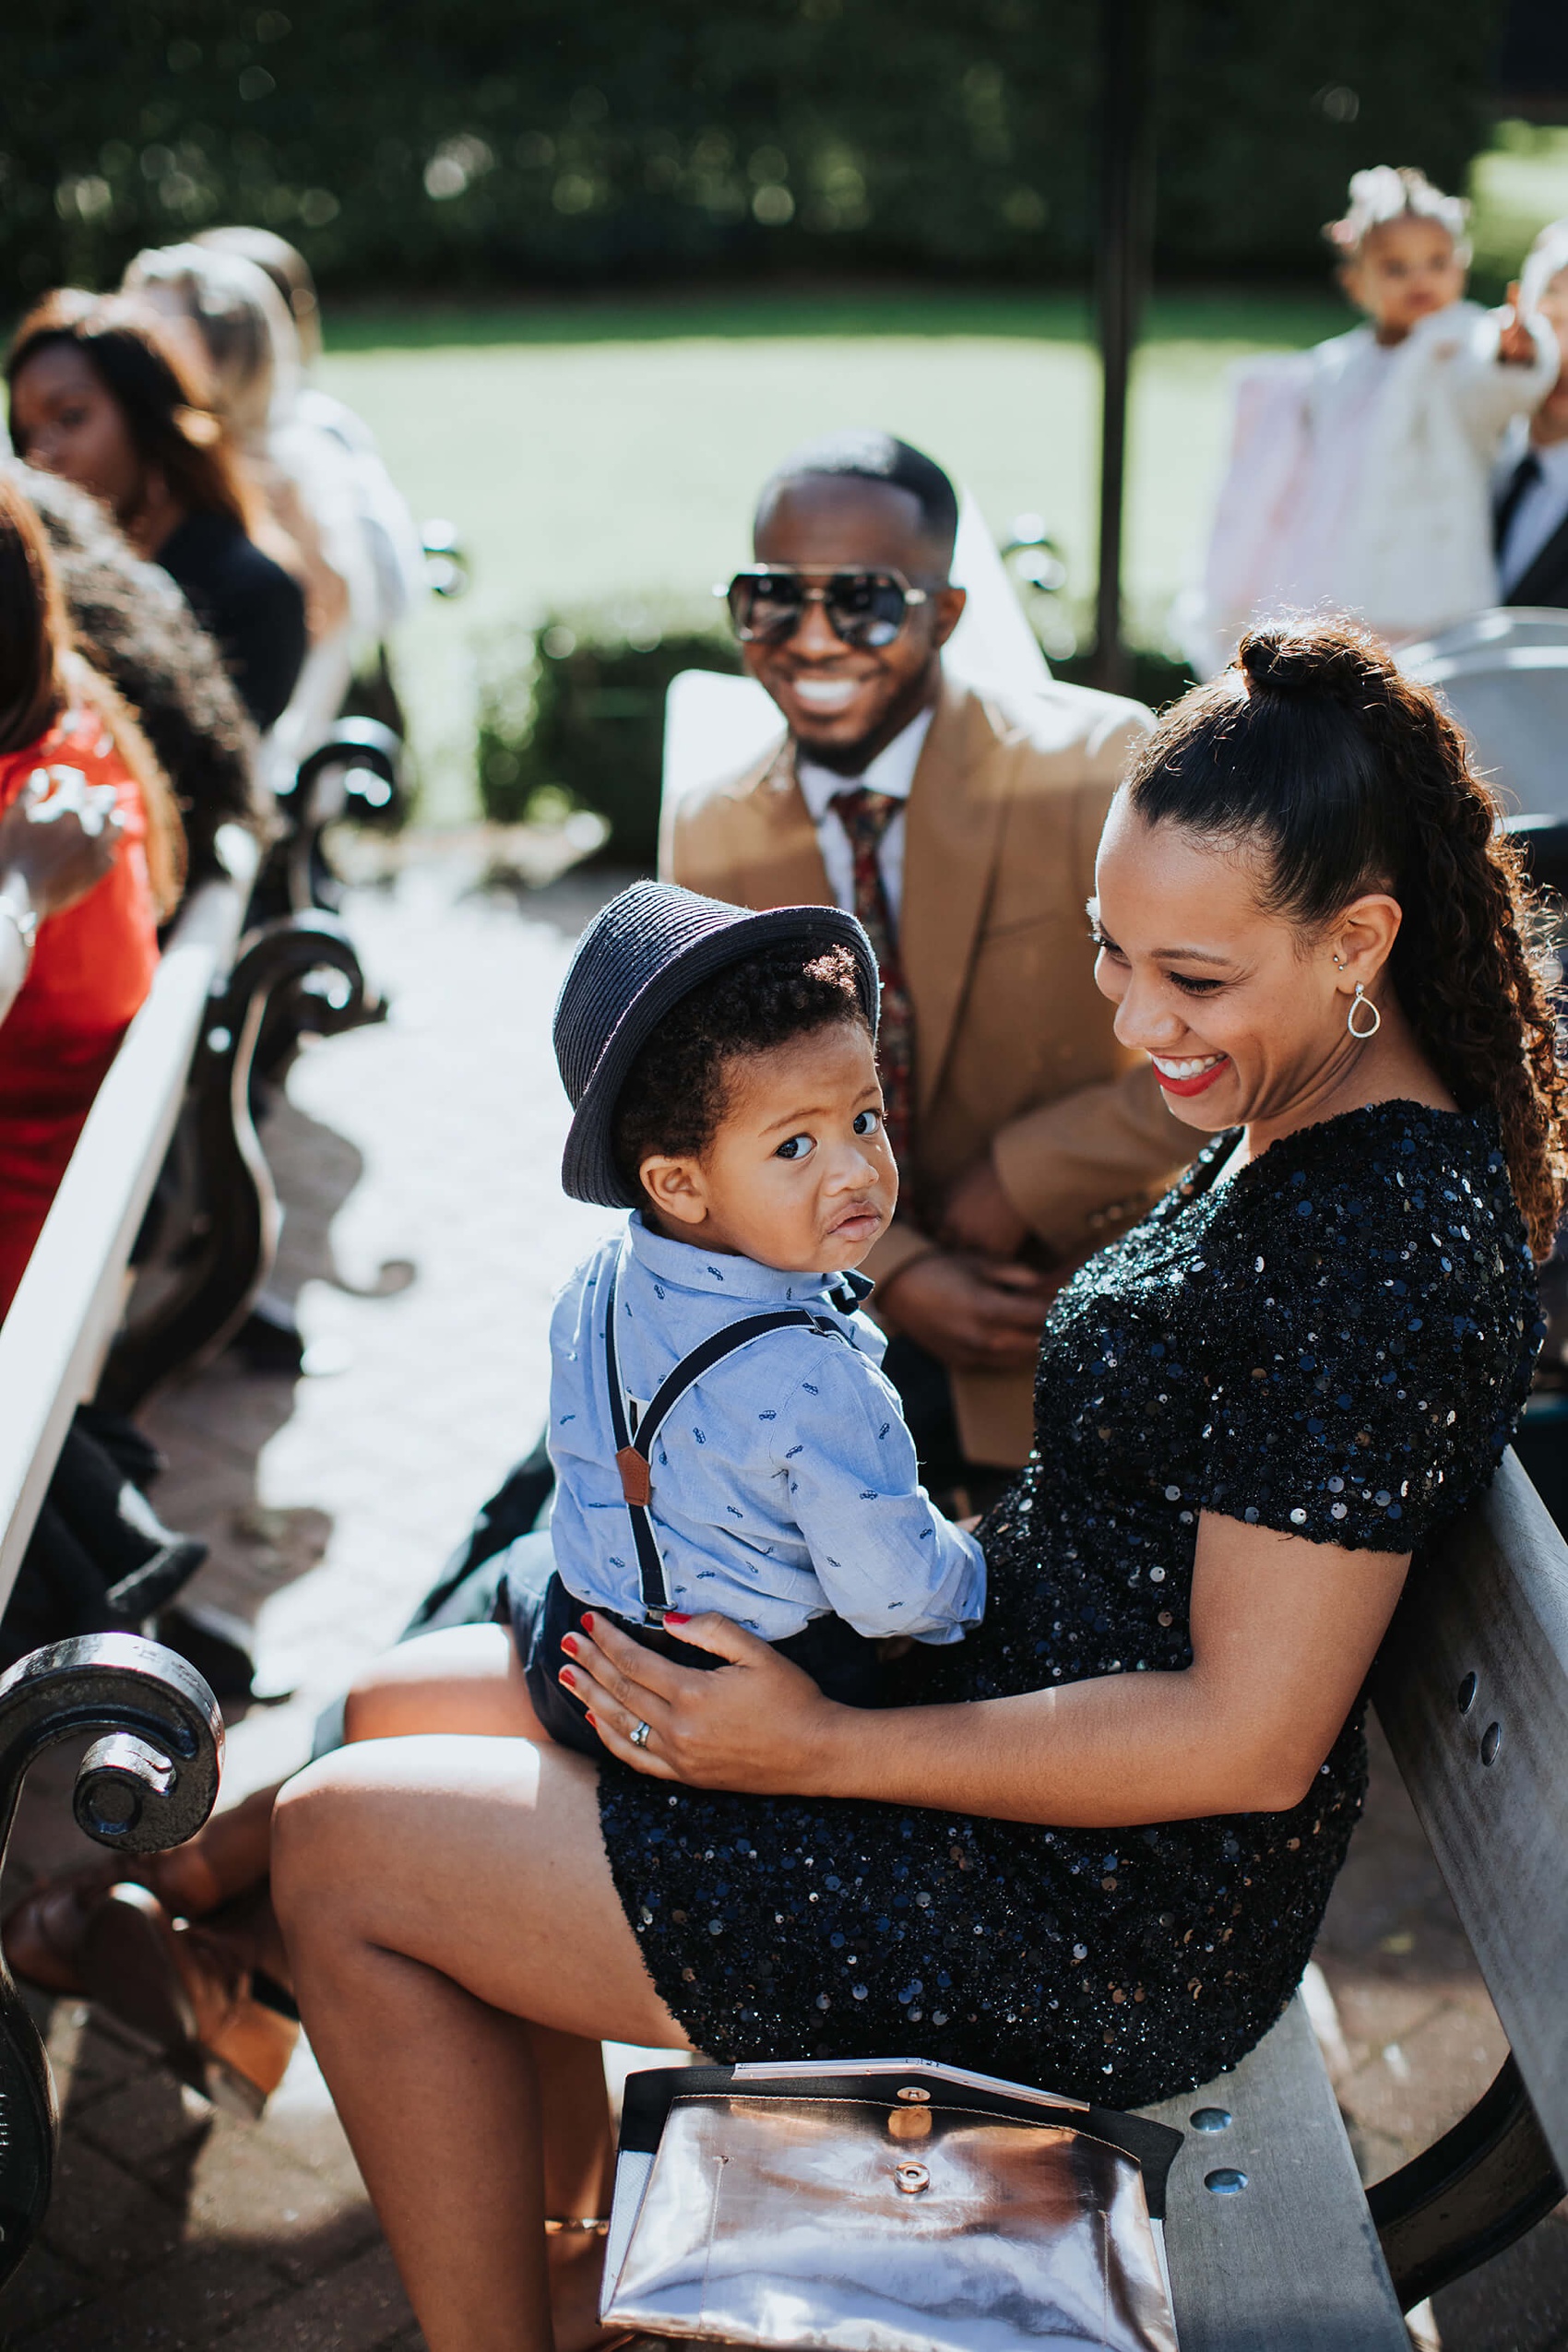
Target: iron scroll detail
(148, 1781)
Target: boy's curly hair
(681, 1085)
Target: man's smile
(826, 695)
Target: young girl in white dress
(1359, 471)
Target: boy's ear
(676, 1187)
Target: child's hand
(1515, 344)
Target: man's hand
(978, 1214)
(974, 1313)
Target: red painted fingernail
(564, 1675)
(593, 1719)
(569, 1643)
(587, 1623)
(677, 1617)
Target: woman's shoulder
(1379, 1324)
(1387, 1198)
(1390, 1159)
(217, 552)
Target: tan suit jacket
(1014, 1049)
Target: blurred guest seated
(65, 735)
(135, 626)
(1530, 487)
(99, 397)
(392, 540)
(252, 357)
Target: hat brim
(588, 1164)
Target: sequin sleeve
(1362, 1384)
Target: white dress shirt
(1541, 511)
(892, 771)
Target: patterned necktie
(1526, 475)
(865, 817)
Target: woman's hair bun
(1334, 661)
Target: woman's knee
(314, 1841)
(464, 1679)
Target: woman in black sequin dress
(1095, 1854)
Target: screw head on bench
(1491, 1741)
(1210, 2119)
(1227, 2182)
(1465, 1695)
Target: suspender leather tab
(637, 1478)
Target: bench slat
(71, 1295)
(1493, 1601)
(1292, 2261)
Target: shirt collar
(715, 1276)
(892, 771)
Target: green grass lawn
(609, 451)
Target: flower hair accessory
(1385, 193)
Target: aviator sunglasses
(768, 603)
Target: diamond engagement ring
(640, 1736)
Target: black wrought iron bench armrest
(148, 1782)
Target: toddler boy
(722, 1435)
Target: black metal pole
(1125, 232)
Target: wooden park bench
(168, 1171)
(1270, 2237)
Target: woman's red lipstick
(1203, 1079)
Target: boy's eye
(867, 1121)
(795, 1147)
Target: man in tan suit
(962, 830)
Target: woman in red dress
(64, 732)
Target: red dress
(91, 968)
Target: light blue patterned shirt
(785, 1483)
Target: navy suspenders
(633, 1448)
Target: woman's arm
(1283, 1634)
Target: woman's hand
(756, 1725)
(62, 841)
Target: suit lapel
(783, 858)
(951, 834)
(1546, 581)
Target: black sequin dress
(1336, 1341)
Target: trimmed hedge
(454, 143)
(579, 710)
(574, 717)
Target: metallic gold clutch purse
(890, 2206)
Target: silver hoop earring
(1362, 1004)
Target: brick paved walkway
(330, 1503)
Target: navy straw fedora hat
(641, 953)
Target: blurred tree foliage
(453, 143)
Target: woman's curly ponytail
(1356, 779)
(1467, 961)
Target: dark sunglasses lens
(866, 607)
(766, 604)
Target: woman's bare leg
(466, 1678)
(435, 1893)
